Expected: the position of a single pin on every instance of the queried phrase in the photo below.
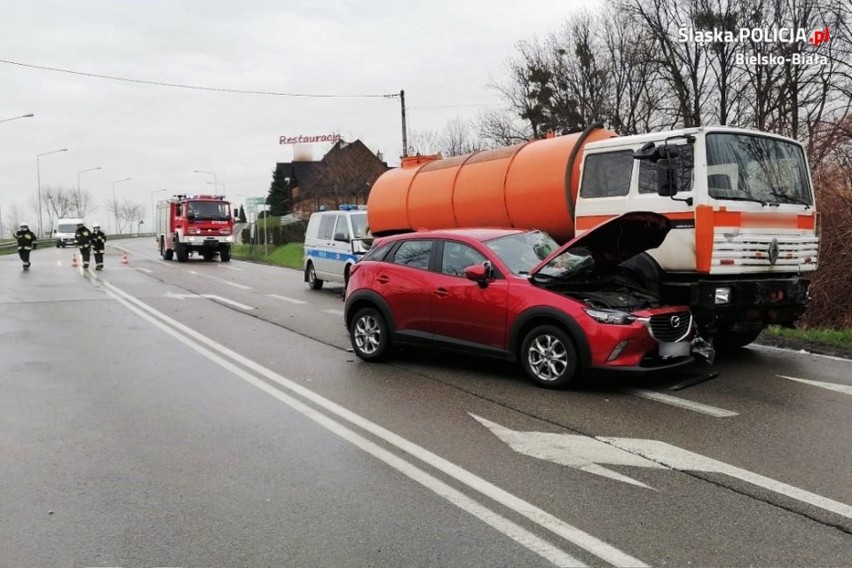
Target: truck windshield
(66, 229)
(756, 168)
(211, 210)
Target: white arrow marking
(227, 301)
(581, 452)
(682, 403)
(845, 389)
(286, 299)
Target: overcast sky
(443, 53)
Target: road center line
(217, 352)
(682, 403)
(286, 299)
(227, 301)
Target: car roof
(477, 234)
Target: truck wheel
(181, 252)
(225, 254)
(733, 340)
(549, 357)
(207, 256)
(168, 254)
(369, 335)
(313, 282)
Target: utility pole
(404, 130)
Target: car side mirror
(341, 237)
(478, 273)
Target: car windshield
(756, 168)
(521, 252)
(567, 264)
(66, 229)
(212, 210)
(359, 222)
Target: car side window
(607, 175)
(413, 253)
(457, 257)
(326, 228)
(377, 253)
(341, 229)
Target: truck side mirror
(667, 176)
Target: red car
(516, 294)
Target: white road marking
(682, 403)
(236, 285)
(193, 272)
(229, 267)
(581, 451)
(241, 366)
(845, 389)
(143, 270)
(684, 460)
(334, 312)
(799, 352)
(209, 297)
(227, 301)
(286, 299)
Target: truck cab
(745, 237)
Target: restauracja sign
(300, 139)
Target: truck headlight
(614, 317)
(722, 295)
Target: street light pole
(82, 172)
(217, 185)
(115, 205)
(38, 181)
(215, 181)
(17, 117)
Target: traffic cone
(124, 259)
(73, 261)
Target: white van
(65, 232)
(333, 244)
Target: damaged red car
(560, 312)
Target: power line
(202, 88)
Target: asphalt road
(211, 414)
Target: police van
(333, 243)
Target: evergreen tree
(242, 214)
(280, 198)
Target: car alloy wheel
(369, 334)
(549, 357)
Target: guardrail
(9, 247)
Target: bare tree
(129, 215)
(502, 127)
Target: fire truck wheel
(225, 254)
(313, 282)
(181, 252)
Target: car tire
(369, 335)
(314, 283)
(549, 357)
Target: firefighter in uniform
(98, 245)
(84, 242)
(26, 243)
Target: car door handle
(441, 292)
(382, 279)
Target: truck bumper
(748, 304)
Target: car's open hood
(614, 241)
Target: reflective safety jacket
(84, 237)
(98, 240)
(25, 238)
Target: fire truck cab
(187, 224)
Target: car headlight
(722, 295)
(614, 317)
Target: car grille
(670, 327)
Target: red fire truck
(187, 224)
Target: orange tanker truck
(745, 233)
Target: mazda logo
(675, 321)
